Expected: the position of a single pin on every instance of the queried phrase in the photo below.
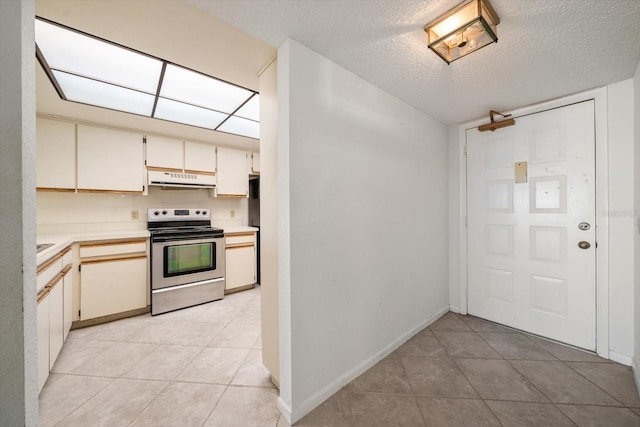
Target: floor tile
(76, 352)
(237, 336)
(384, 410)
(117, 330)
(456, 413)
(449, 323)
(252, 372)
(496, 379)
(176, 332)
(567, 353)
(386, 376)
(245, 406)
(239, 299)
(615, 379)
(335, 411)
(436, 377)
(258, 344)
(516, 346)
(197, 400)
(636, 410)
(600, 416)
(115, 360)
(481, 325)
(524, 414)
(165, 362)
(424, 343)
(561, 384)
(249, 316)
(466, 345)
(64, 393)
(214, 365)
(116, 405)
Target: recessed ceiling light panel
(241, 126)
(250, 110)
(180, 112)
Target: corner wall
(364, 249)
(636, 231)
(18, 349)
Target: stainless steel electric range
(187, 259)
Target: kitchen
(383, 214)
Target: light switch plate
(520, 172)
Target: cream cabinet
(113, 278)
(233, 180)
(67, 284)
(240, 254)
(253, 163)
(52, 309)
(110, 160)
(55, 155)
(180, 156)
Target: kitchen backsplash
(77, 212)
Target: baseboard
(316, 399)
(284, 409)
(636, 373)
(620, 358)
(454, 308)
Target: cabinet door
(233, 180)
(55, 155)
(199, 157)
(56, 321)
(43, 341)
(255, 162)
(241, 266)
(110, 160)
(165, 153)
(112, 286)
(68, 302)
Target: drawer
(114, 248)
(236, 239)
(46, 275)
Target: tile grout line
(85, 402)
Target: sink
(42, 246)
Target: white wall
(18, 347)
(269, 220)
(636, 231)
(621, 223)
(68, 212)
(620, 215)
(364, 261)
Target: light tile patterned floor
(202, 367)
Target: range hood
(181, 180)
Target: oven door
(180, 262)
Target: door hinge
(144, 141)
(78, 313)
(466, 220)
(465, 149)
(80, 267)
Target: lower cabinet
(67, 280)
(240, 267)
(56, 321)
(43, 338)
(113, 278)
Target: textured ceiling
(546, 48)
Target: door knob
(584, 245)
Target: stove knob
(156, 213)
(204, 212)
(164, 212)
(198, 213)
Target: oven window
(191, 258)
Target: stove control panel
(178, 214)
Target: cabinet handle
(239, 246)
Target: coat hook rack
(493, 125)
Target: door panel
(525, 267)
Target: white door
(526, 268)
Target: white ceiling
(546, 48)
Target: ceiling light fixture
(462, 30)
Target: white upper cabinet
(233, 180)
(176, 155)
(164, 153)
(55, 155)
(110, 160)
(199, 157)
(253, 163)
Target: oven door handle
(188, 285)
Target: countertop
(62, 240)
(239, 229)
